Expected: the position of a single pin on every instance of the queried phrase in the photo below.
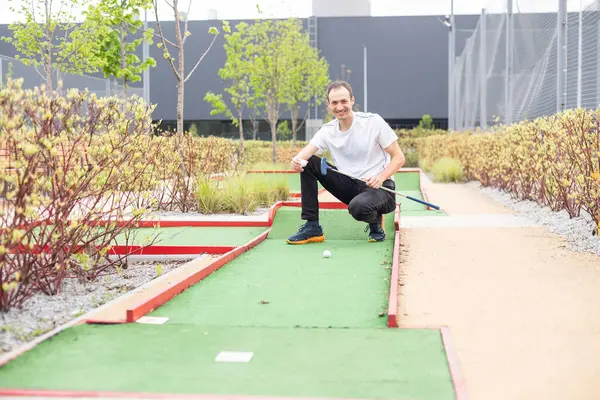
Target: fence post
(483, 71)
(365, 74)
(560, 55)
(508, 73)
(579, 55)
(451, 71)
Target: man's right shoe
(310, 232)
(376, 231)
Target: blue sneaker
(310, 232)
(376, 231)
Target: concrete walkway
(521, 308)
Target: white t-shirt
(359, 151)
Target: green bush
(412, 158)
(240, 193)
(447, 170)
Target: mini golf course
(309, 326)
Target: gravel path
(43, 313)
(578, 232)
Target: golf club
(325, 167)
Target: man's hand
(297, 164)
(375, 182)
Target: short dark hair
(339, 84)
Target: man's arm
(307, 152)
(395, 164)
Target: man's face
(340, 103)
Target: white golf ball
(326, 254)
(303, 163)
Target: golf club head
(323, 166)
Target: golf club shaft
(392, 191)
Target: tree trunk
(273, 116)
(123, 59)
(295, 111)
(181, 72)
(274, 139)
(241, 128)
(48, 64)
(48, 68)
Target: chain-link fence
(521, 63)
(35, 77)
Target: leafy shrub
(552, 160)
(447, 170)
(70, 159)
(411, 157)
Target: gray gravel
(576, 231)
(43, 313)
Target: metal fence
(519, 65)
(35, 77)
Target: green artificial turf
(280, 285)
(180, 359)
(337, 225)
(193, 236)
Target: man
(362, 145)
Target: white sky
(243, 9)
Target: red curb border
(169, 250)
(180, 223)
(297, 195)
(143, 308)
(458, 379)
(272, 171)
(324, 205)
(392, 314)
(422, 188)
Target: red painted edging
(409, 170)
(325, 205)
(172, 224)
(299, 194)
(460, 385)
(422, 189)
(273, 211)
(104, 322)
(163, 250)
(147, 306)
(393, 297)
(397, 217)
(272, 171)
(131, 395)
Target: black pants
(364, 203)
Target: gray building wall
(407, 64)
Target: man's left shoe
(376, 231)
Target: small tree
(236, 74)
(117, 54)
(178, 44)
(51, 40)
(271, 63)
(307, 77)
(426, 122)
